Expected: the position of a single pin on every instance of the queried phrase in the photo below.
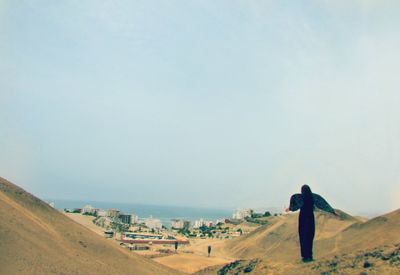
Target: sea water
(164, 213)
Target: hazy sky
(202, 103)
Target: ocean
(164, 213)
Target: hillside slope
(343, 245)
(37, 239)
(380, 231)
(279, 238)
(381, 260)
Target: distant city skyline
(219, 104)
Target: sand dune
(380, 231)
(37, 239)
(343, 245)
(381, 260)
(279, 238)
(190, 263)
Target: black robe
(306, 219)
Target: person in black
(306, 202)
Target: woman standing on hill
(306, 202)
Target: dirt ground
(189, 258)
(190, 263)
(37, 239)
(194, 257)
(86, 221)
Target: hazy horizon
(262, 209)
(202, 103)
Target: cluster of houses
(202, 222)
(141, 234)
(107, 217)
(238, 216)
(113, 215)
(153, 224)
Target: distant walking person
(209, 250)
(306, 202)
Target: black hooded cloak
(306, 202)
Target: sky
(202, 103)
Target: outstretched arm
(322, 204)
(296, 202)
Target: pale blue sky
(202, 103)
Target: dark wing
(296, 202)
(322, 204)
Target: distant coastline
(164, 213)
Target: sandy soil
(86, 221)
(381, 260)
(37, 239)
(190, 263)
(343, 245)
(335, 235)
(190, 258)
(280, 235)
(194, 257)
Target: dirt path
(194, 257)
(190, 263)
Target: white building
(88, 209)
(153, 223)
(180, 224)
(113, 213)
(201, 222)
(134, 219)
(240, 214)
(101, 213)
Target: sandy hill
(380, 231)
(279, 238)
(343, 245)
(37, 239)
(381, 260)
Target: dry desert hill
(278, 239)
(343, 245)
(37, 239)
